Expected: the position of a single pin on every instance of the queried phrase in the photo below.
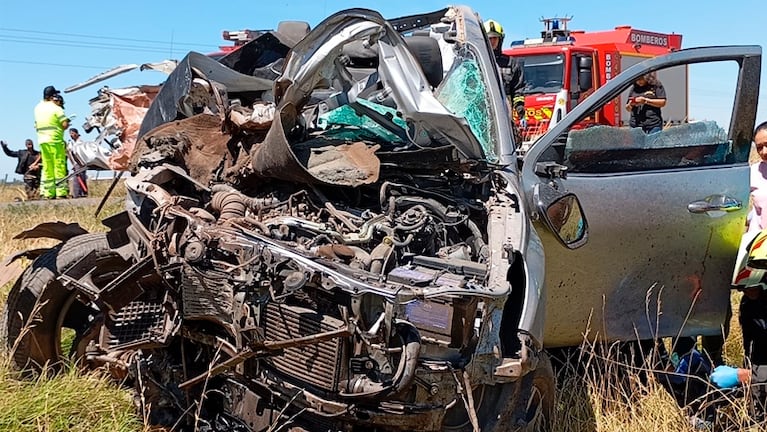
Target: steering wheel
(552, 83)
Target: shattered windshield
(543, 73)
(407, 104)
(465, 93)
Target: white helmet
(751, 265)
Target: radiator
(321, 365)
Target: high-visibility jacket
(49, 122)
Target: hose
(364, 387)
(380, 254)
(441, 211)
(224, 194)
(229, 205)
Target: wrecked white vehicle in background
(346, 245)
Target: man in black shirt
(646, 99)
(28, 166)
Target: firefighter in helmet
(511, 71)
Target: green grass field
(588, 401)
(71, 401)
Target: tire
(487, 399)
(537, 417)
(499, 408)
(40, 308)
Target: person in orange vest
(50, 123)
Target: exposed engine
(352, 300)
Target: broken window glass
(464, 93)
(601, 149)
(693, 135)
(346, 116)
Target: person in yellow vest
(50, 123)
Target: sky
(61, 44)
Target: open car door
(666, 211)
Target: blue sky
(53, 43)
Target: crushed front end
(344, 249)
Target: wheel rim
(77, 322)
(68, 340)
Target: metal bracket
(511, 369)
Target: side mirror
(585, 63)
(585, 77)
(562, 214)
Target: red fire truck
(562, 67)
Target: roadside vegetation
(605, 395)
(601, 395)
(72, 400)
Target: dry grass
(14, 192)
(591, 399)
(70, 401)
(605, 395)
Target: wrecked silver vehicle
(344, 247)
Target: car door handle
(715, 203)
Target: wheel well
(512, 311)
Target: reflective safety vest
(49, 119)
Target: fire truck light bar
(559, 40)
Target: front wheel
(523, 406)
(537, 413)
(44, 322)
